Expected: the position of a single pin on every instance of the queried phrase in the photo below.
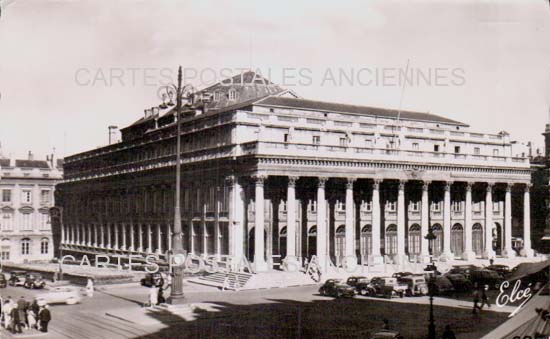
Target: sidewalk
(32, 333)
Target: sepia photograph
(355, 169)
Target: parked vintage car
(386, 334)
(60, 295)
(34, 280)
(387, 287)
(354, 280)
(401, 274)
(416, 285)
(465, 270)
(336, 288)
(483, 276)
(502, 270)
(442, 285)
(460, 282)
(3, 280)
(17, 278)
(152, 279)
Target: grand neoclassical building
(269, 175)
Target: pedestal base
(527, 252)
(509, 253)
(490, 254)
(260, 266)
(468, 255)
(291, 264)
(446, 256)
(177, 300)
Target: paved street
(274, 313)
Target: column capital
(259, 179)
(322, 182)
(350, 182)
(509, 186)
(527, 187)
(292, 181)
(230, 180)
(490, 186)
(401, 185)
(426, 185)
(469, 185)
(376, 183)
(448, 185)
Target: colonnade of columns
(350, 244)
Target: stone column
(236, 218)
(123, 245)
(159, 240)
(259, 224)
(322, 254)
(169, 236)
(489, 253)
(108, 246)
(447, 221)
(73, 232)
(291, 220)
(96, 235)
(527, 250)
(131, 248)
(102, 235)
(63, 240)
(425, 219)
(468, 254)
(401, 222)
(115, 245)
(508, 251)
(376, 218)
(89, 235)
(351, 258)
(149, 239)
(140, 238)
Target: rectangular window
(316, 140)
(456, 206)
(45, 197)
(495, 152)
(25, 247)
(368, 143)
(457, 149)
(496, 206)
(312, 206)
(26, 196)
(7, 222)
(26, 222)
(414, 206)
(416, 146)
(391, 206)
(5, 255)
(477, 150)
(343, 142)
(436, 148)
(436, 206)
(6, 195)
(285, 137)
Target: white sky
(52, 50)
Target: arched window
(6, 249)
(340, 245)
(44, 246)
(414, 239)
(282, 232)
(477, 238)
(457, 239)
(391, 240)
(366, 240)
(25, 246)
(312, 241)
(438, 242)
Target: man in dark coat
(16, 321)
(44, 316)
(22, 306)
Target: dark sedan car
(17, 278)
(336, 288)
(502, 270)
(481, 277)
(465, 270)
(460, 282)
(152, 279)
(442, 285)
(354, 280)
(34, 280)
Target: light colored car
(60, 295)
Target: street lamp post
(176, 295)
(431, 325)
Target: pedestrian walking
(15, 321)
(484, 298)
(448, 333)
(153, 297)
(90, 288)
(31, 319)
(44, 316)
(6, 310)
(160, 297)
(476, 301)
(22, 309)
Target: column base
(291, 264)
(468, 255)
(446, 256)
(489, 254)
(350, 263)
(527, 252)
(260, 266)
(509, 253)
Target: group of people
(20, 315)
